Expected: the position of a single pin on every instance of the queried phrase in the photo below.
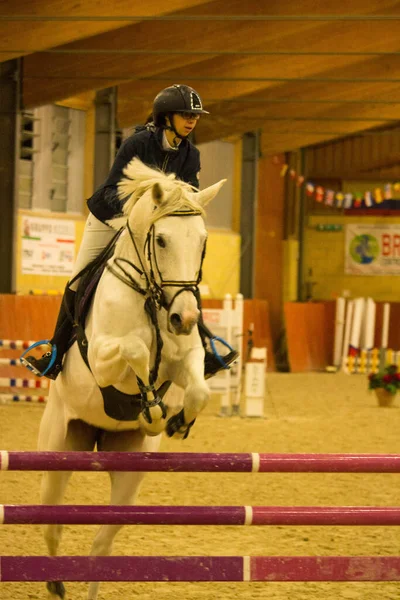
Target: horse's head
(165, 219)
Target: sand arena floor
(304, 413)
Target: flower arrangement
(388, 379)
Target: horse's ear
(205, 196)
(157, 193)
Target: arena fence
(200, 568)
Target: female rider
(162, 143)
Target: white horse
(156, 262)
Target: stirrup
(53, 357)
(216, 338)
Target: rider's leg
(95, 238)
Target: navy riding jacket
(146, 144)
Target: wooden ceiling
(297, 99)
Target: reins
(154, 291)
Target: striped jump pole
(200, 568)
(18, 382)
(199, 462)
(197, 515)
(15, 344)
(9, 398)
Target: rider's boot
(213, 361)
(50, 364)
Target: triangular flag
(310, 189)
(378, 195)
(319, 193)
(368, 198)
(339, 199)
(348, 200)
(284, 169)
(329, 197)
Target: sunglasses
(189, 116)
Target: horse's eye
(160, 241)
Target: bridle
(155, 298)
(155, 289)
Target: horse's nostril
(176, 321)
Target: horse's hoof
(56, 589)
(154, 428)
(177, 428)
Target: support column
(247, 212)
(104, 148)
(9, 106)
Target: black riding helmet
(174, 99)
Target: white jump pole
(339, 329)
(236, 342)
(369, 325)
(385, 335)
(346, 340)
(355, 335)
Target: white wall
(217, 162)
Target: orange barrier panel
(309, 335)
(310, 332)
(33, 318)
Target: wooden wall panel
(268, 270)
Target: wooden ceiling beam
(71, 74)
(32, 36)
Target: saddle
(117, 405)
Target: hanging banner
(47, 246)
(372, 250)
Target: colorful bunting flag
(319, 193)
(329, 197)
(388, 191)
(339, 199)
(348, 200)
(368, 198)
(309, 189)
(284, 169)
(378, 195)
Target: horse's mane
(139, 178)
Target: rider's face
(185, 122)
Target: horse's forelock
(139, 179)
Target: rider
(163, 142)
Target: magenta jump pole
(197, 515)
(200, 568)
(199, 462)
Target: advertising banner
(372, 250)
(47, 246)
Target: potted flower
(385, 384)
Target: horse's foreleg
(190, 376)
(152, 418)
(56, 436)
(124, 489)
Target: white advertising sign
(47, 246)
(372, 250)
